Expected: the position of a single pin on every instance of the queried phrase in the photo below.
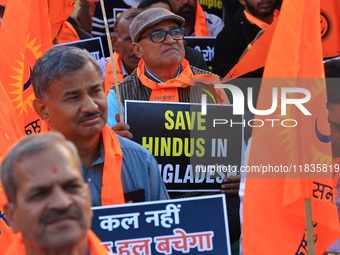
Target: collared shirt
(125, 73)
(139, 171)
(93, 176)
(103, 64)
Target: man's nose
(60, 200)
(169, 39)
(89, 104)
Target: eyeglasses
(158, 36)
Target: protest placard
(194, 152)
(193, 225)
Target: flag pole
(121, 119)
(309, 224)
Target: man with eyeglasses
(163, 74)
(157, 39)
(125, 59)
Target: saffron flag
(24, 36)
(59, 11)
(274, 218)
(10, 133)
(330, 28)
(256, 57)
(9, 124)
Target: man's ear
(243, 2)
(11, 216)
(40, 107)
(114, 43)
(137, 49)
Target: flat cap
(149, 18)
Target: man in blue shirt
(70, 99)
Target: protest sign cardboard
(193, 225)
(194, 152)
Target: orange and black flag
(256, 57)
(274, 218)
(10, 133)
(25, 35)
(330, 27)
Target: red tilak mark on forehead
(54, 169)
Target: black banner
(194, 152)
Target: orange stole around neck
(168, 90)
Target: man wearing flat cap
(163, 74)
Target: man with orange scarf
(70, 99)
(197, 21)
(124, 58)
(49, 204)
(163, 74)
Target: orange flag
(11, 131)
(10, 126)
(256, 57)
(24, 36)
(274, 218)
(59, 11)
(330, 28)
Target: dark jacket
(231, 42)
